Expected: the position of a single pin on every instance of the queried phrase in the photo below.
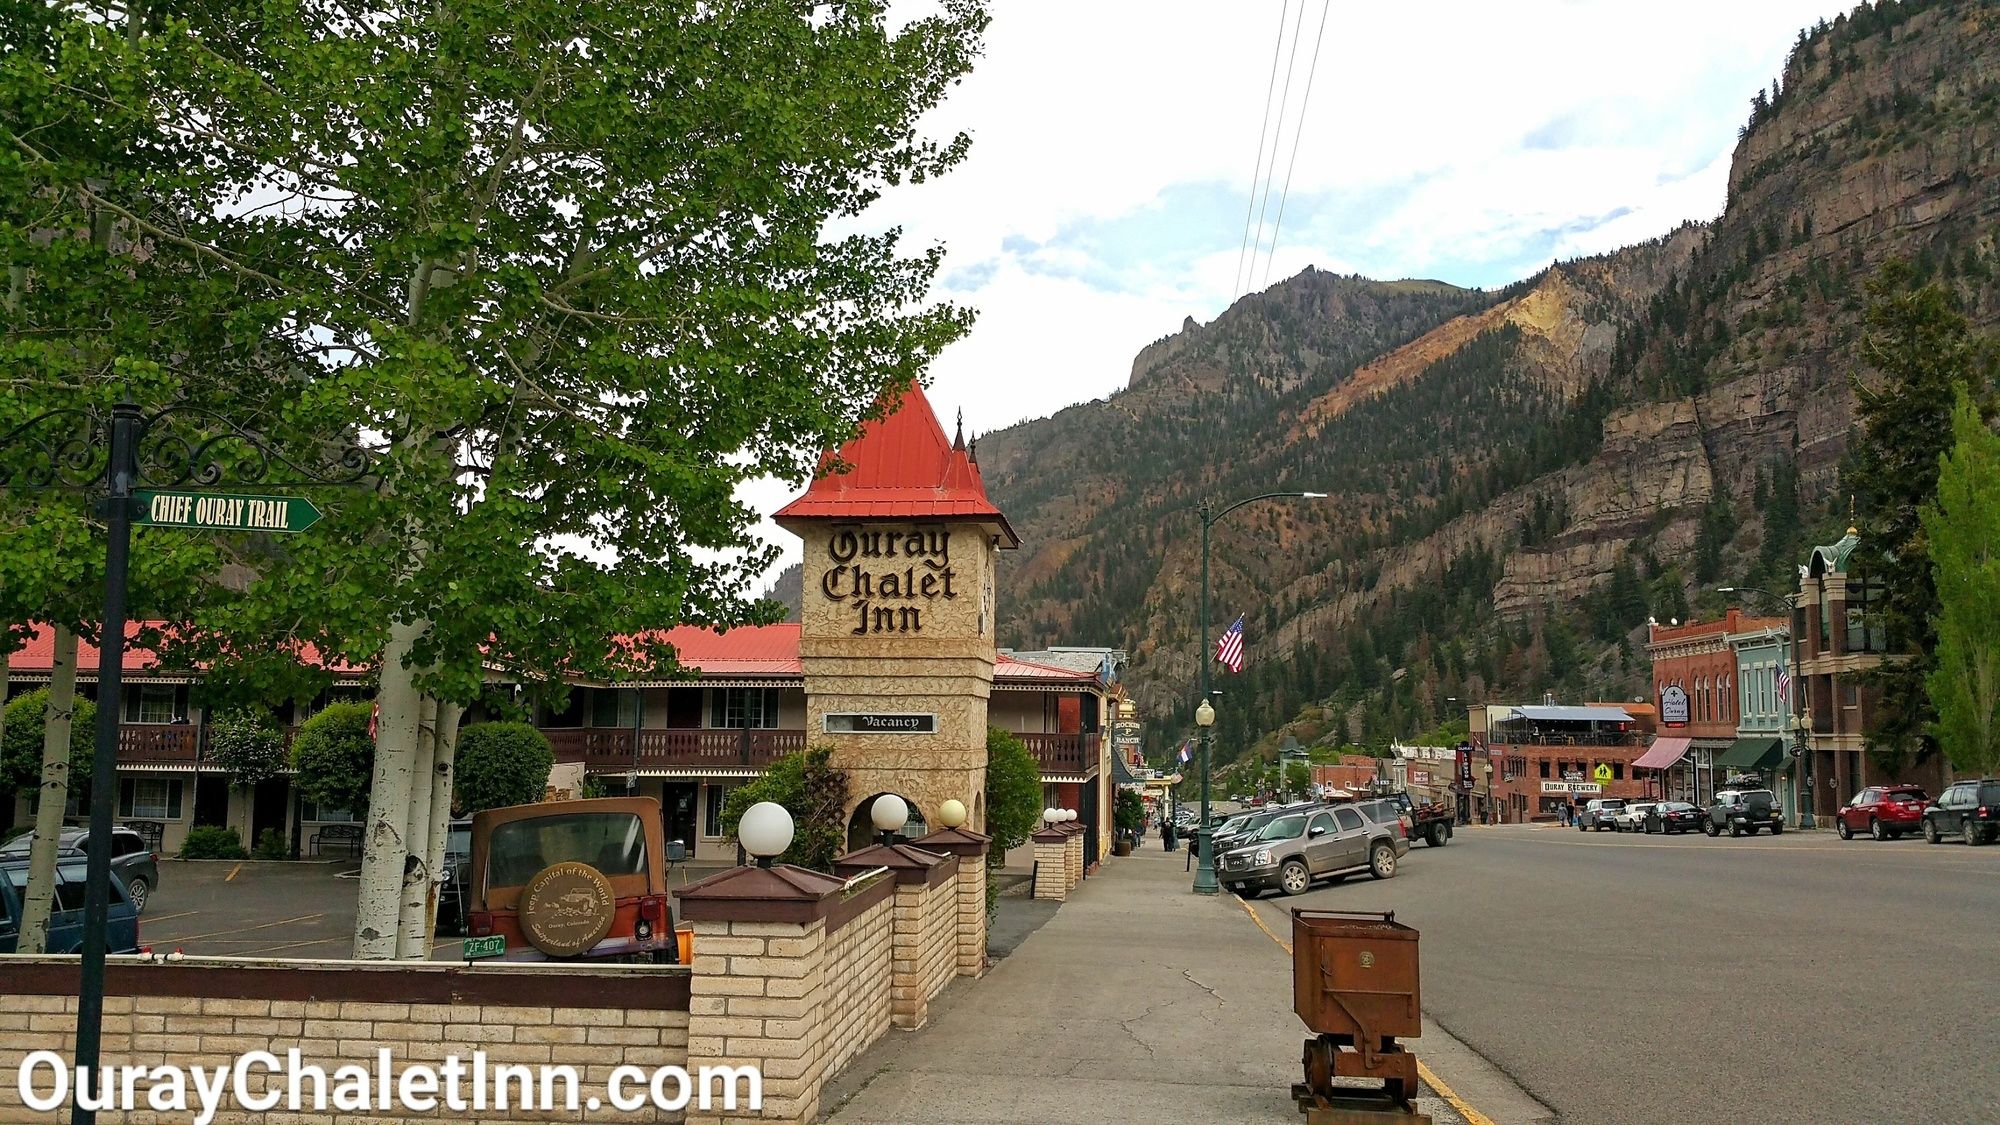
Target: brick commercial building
(1696, 688)
(1837, 617)
(1529, 760)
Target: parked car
(1391, 814)
(1596, 815)
(1297, 848)
(1227, 838)
(452, 888)
(131, 859)
(1670, 817)
(1743, 812)
(1969, 810)
(564, 880)
(121, 929)
(1885, 812)
(1632, 817)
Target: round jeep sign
(567, 908)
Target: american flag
(1784, 686)
(1187, 751)
(1229, 650)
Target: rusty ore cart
(1354, 983)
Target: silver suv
(1296, 848)
(1599, 814)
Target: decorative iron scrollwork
(175, 446)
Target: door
(267, 807)
(9, 938)
(211, 800)
(1322, 844)
(1351, 839)
(1090, 817)
(677, 812)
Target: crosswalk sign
(1603, 773)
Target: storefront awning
(1662, 753)
(1550, 713)
(1752, 754)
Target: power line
(1283, 98)
(1257, 169)
(1304, 101)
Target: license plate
(477, 947)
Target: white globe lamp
(765, 831)
(951, 814)
(888, 813)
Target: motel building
(881, 601)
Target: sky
(1115, 142)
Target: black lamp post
(1204, 874)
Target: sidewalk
(1137, 1002)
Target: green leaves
(1962, 529)
(1013, 791)
(334, 757)
(499, 764)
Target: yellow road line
(1471, 1115)
(231, 877)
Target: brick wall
(856, 998)
(206, 1012)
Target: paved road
(1646, 979)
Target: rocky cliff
(1499, 457)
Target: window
(1348, 818)
(614, 843)
(1850, 694)
(713, 796)
(70, 888)
(150, 798)
(1321, 824)
(153, 703)
(735, 708)
(1544, 763)
(604, 707)
(1865, 629)
(1618, 771)
(326, 814)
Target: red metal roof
(37, 657)
(901, 466)
(1012, 668)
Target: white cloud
(1113, 141)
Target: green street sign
(477, 947)
(216, 511)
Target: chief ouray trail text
(928, 575)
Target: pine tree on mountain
(1924, 353)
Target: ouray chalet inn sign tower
(897, 612)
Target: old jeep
(572, 880)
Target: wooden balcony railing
(148, 744)
(1063, 753)
(615, 749)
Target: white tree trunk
(54, 794)
(438, 827)
(416, 897)
(386, 850)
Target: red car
(1883, 811)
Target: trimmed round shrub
(335, 758)
(210, 841)
(499, 764)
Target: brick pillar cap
(1050, 836)
(782, 892)
(909, 864)
(960, 842)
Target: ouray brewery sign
(887, 577)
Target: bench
(345, 837)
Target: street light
(765, 831)
(1204, 875)
(1801, 725)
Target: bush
(1013, 793)
(273, 845)
(209, 841)
(813, 792)
(247, 745)
(21, 747)
(335, 758)
(1128, 812)
(499, 764)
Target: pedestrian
(1167, 834)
